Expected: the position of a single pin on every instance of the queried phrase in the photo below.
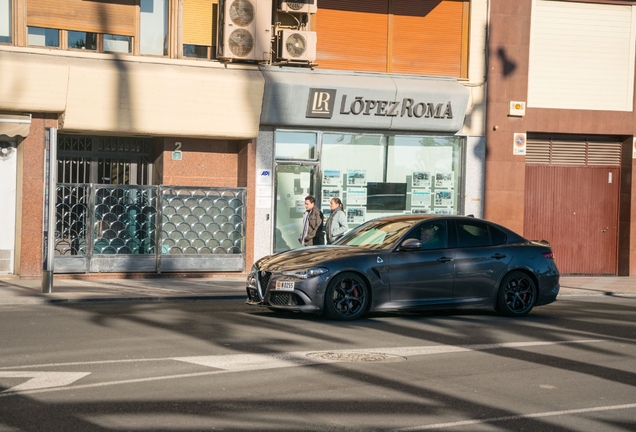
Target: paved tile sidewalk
(16, 291)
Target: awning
(12, 125)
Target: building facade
(178, 150)
(560, 129)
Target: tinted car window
(472, 234)
(497, 236)
(433, 235)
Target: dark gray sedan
(410, 262)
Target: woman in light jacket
(337, 222)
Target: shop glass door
(294, 181)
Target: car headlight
(306, 273)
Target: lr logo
(321, 103)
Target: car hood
(309, 257)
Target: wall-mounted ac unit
(244, 30)
(302, 6)
(297, 45)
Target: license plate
(284, 286)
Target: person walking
(337, 222)
(312, 233)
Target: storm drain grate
(356, 357)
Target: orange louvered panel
(89, 16)
(427, 37)
(352, 35)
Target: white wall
(8, 166)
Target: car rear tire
(347, 297)
(517, 294)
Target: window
(433, 235)
(43, 37)
(82, 40)
(5, 21)
(117, 43)
(497, 236)
(195, 51)
(153, 27)
(472, 234)
(296, 145)
(199, 28)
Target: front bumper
(307, 295)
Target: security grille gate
(571, 199)
(109, 219)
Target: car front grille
(252, 294)
(284, 299)
(263, 278)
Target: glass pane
(295, 145)
(293, 184)
(153, 27)
(82, 40)
(431, 168)
(351, 162)
(44, 37)
(5, 21)
(196, 51)
(117, 43)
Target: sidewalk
(16, 291)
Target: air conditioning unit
(244, 30)
(297, 45)
(302, 6)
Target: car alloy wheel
(517, 294)
(347, 297)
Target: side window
(472, 234)
(5, 21)
(497, 236)
(433, 235)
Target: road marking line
(246, 362)
(517, 417)
(42, 380)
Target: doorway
(293, 182)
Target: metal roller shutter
(199, 22)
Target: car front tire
(347, 297)
(517, 294)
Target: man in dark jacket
(312, 233)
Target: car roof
(418, 218)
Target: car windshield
(377, 235)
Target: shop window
(46, 37)
(381, 175)
(352, 165)
(117, 43)
(431, 167)
(82, 40)
(296, 145)
(153, 26)
(5, 21)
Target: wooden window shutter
(199, 22)
(80, 15)
(430, 37)
(352, 35)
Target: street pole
(50, 194)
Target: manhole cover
(356, 357)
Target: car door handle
(444, 259)
(499, 256)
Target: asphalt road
(221, 365)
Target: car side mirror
(411, 244)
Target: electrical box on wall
(516, 108)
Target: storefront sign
(321, 105)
